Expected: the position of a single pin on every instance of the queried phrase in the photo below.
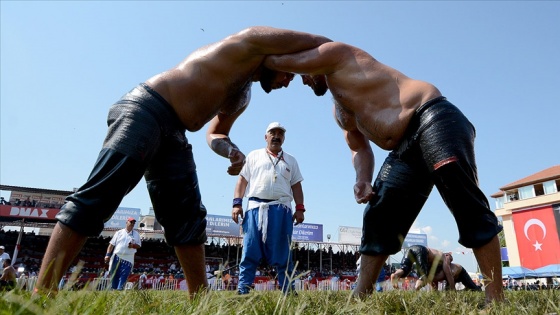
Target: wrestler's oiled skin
(373, 102)
(371, 97)
(214, 82)
(213, 85)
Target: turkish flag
(537, 237)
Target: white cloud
(427, 230)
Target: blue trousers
(120, 269)
(276, 249)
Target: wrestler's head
(318, 83)
(272, 80)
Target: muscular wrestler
(146, 137)
(458, 275)
(427, 261)
(431, 143)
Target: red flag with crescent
(537, 237)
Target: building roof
(36, 190)
(539, 177)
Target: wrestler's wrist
(300, 207)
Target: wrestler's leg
(478, 227)
(63, 247)
(369, 272)
(395, 276)
(178, 207)
(132, 137)
(406, 267)
(400, 189)
(113, 176)
(466, 280)
(175, 194)
(448, 149)
(192, 260)
(420, 256)
(490, 263)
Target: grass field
(273, 302)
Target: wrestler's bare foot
(394, 281)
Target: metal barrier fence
(99, 284)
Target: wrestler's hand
(237, 212)
(363, 192)
(298, 217)
(237, 159)
(107, 259)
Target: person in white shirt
(120, 254)
(271, 179)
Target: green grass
(309, 302)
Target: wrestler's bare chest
(382, 125)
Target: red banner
(28, 212)
(537, 237)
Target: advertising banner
(415, 239)
(20, 212)
(222, 225)
(308, 232)
(353, 235)
(349, 235)
(118, 220)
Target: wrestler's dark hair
(266, 78)
(8, 260)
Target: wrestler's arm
(239, 192)
(322, 60)
(362, 156)
(4, 276)
(217, 137)
(447, 272)
(264, 40)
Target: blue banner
(504, 253)
(415, 239)
(118, 220)
(222, 225)
(308, 232)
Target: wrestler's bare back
(376, 99)
(207, 82)
(434, 255)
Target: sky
(63, 64)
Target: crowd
(158, 261)
(27, 202)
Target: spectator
(3, 257)
(8, 278)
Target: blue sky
(64, 63)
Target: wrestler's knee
(82, 221)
